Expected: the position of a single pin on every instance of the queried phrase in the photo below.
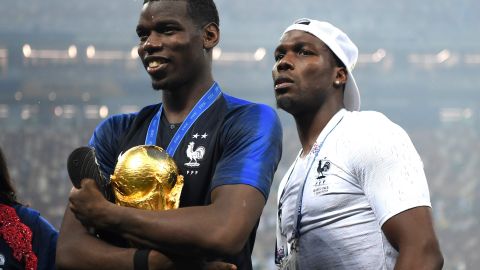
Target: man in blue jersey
(227, 149)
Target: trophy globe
(146, 177)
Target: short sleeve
(106, 139)
(252, 146)
(390, 170)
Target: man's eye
(142, 35)
(304, 52)
(169, 30)
(279, 56)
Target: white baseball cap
(342, 47)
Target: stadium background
(66, 65)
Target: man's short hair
(202, 12)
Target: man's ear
(342, 75)
(211, 36)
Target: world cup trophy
(146, 177)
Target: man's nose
(152, 43)
(284, 64)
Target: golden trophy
(146, 177)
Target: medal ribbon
(298, 206)
(202, 105)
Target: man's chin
(156, 87)
(163, 84)
(284, 104)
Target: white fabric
(374, 173)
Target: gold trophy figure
(146, 177)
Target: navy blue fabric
(44, 240)
(242, 142)
(252, 146)
(106, 140)
(251, 138)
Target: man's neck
(178, 103)
(309, 126)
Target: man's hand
(89, 205)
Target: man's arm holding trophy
(147, 179)
(97, 250)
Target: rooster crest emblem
(194, 155)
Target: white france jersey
(366, 171)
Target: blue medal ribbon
(202, 105)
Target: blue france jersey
(233, 142)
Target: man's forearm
(156, 231)
(221, 228)
(77, 249)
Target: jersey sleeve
(391, 171)
(252, 147)
(106, 141)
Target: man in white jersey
(356, 196)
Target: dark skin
(308, 84)
(180, 49)
(303, 66)
(177, 56)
